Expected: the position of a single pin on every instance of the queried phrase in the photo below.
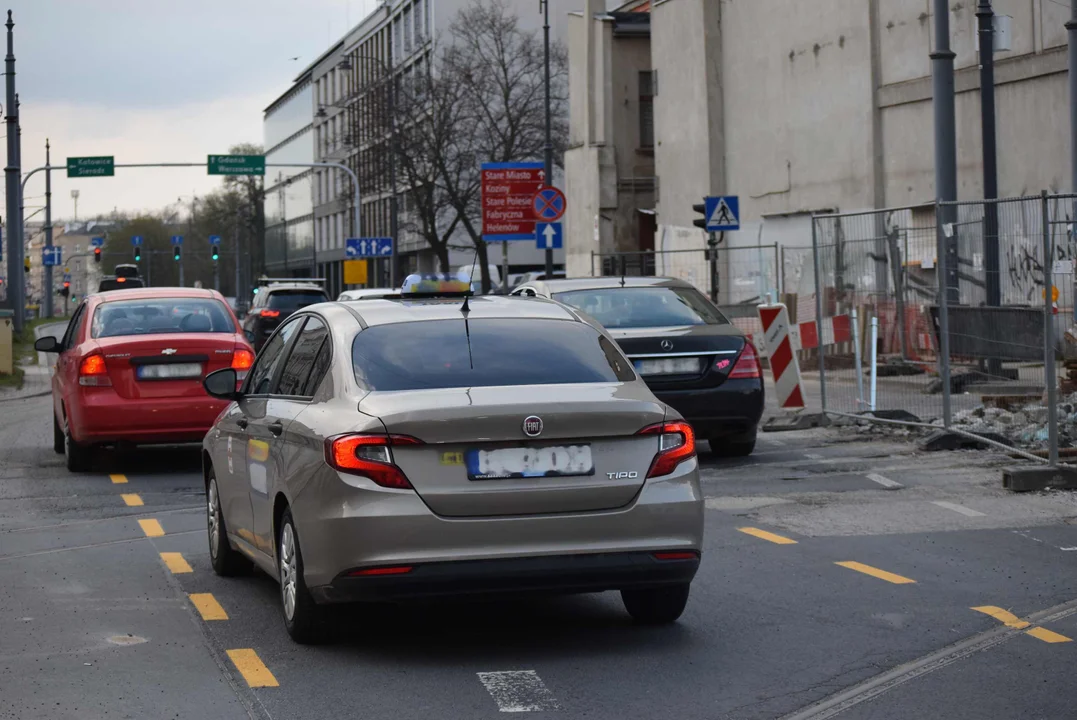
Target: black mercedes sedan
(690, 355)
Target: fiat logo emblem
(533, 426)
(666, 345)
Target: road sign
(236, 164)
(214, 239)
(51, 256)
(355, 272)
(548, 236)
(99, 166)
(368, 247)
(136, 240)
(549, 204)
(723, 213)
(177, 239)
(67, 277)
(97, 242)
(508, 193)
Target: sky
(155, 81)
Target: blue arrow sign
(548, 236)
(136, 240)
(214, 239)
(51, 256)
(723, 213)
(177, 239)
(368, 247)
(97, 242)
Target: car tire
(226, 561)
(58, 442)
(301, 614)
(728, 448)
(77, 456)
(656, 606)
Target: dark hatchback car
(274, 303)
(690, 355)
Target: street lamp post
(545, 7)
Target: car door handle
(276, 428)
(242, 422)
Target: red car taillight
(747, 364)
(369, 456)
(242, 359)
(270, 313)
(676, 443)
(93, 372)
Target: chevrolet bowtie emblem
(168, 351)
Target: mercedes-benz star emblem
(168, 351)
(666, 345)
(532, 426)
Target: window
(296, 372)
(640, 307)
(407, 30)
(646, 109)
(161, 315)
(420, 21)
(258, 382)
(320, 368)
(485, 353)
(71, 335)
(292, 300)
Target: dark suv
(274, 303)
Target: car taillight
(676, 443)
(747, 364)
(369, 456)
(242, 359)
(93, 372)
(270, 313)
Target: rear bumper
(731, 409)
(101, 416)
(551, 574)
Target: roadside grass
(23, 353)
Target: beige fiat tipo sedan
(427, 445)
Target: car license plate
(169, 371)
(556, 461)
(668, 366)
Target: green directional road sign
(236, 164)
(100, 166)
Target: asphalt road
(105, 591)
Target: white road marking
(813, 456)
(884, 481)
(775, 442)
(518, 691)
(1067, 549)
(967, 512)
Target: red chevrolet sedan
(131, 366)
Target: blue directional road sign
(177, 239)
(97, 242)
(548, 236)
(51, 256)
(136, 240)
(368, 247)
(723, 213)
(214, 239)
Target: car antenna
(465, 309)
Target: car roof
(399, 310)
(155, 293)
(557, 285)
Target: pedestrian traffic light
(138, 253)
(215, 253)
(702, 210)
(176, 252)
(97, 254)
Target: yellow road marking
(151, 527)
(1047, 636)
(252, 668)
(118, 479)
(208, 607)
(768, 536)
(176, 563)
(1005, 617)
(132, 499)
(876, 572)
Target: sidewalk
(37, 379)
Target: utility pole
(75, 198)
(545, 7)
(986, 18)
(1071, 28)
(394, 220)
(12, 177)
(942, 86)
(47, 291)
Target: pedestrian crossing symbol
(723, 213)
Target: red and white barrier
(836, 329)
(783, 361)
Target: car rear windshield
(639, 307)
(436, 354)
(123, 283)
(295, 299)
(161, 315)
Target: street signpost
(548, 235)
(508, 194)
(368, 247)
(52, 256)
(177, 239)
(549, 204)
(236, 164)
(214, 239)
(723, 213)
(136, 240)
(99, 166)
(97, 242)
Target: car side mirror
(222, 384)
(47, 344)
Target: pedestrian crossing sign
(723, 213)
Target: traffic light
(215, 253)
(176, 252)
(26, 263)
(702, 210)
(97, 255)
(138, 253)
(66, 290)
